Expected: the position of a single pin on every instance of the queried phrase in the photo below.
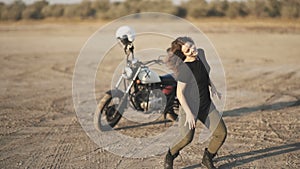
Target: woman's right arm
(190, 119)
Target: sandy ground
(39, 128)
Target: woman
(194, 96)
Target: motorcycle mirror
(124, 40)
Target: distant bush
(136, 6)
(273, 8)
(290, 9)
(243, 9)
(236, 9)
(217, 8)
(83, 10)
(86, 10)
(105, 9)
(13, 11)
(53, 11)
(116, 10)
(233, 10)
(100, 7)
(196, 8)
(34, 11)
(2, 7)
(258, 8)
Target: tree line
(105, 9)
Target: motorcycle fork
(122, 101)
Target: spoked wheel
(107, 115)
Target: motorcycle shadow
(144, 124)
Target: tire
(107, 109)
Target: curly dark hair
(175, 55)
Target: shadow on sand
(275, 106)
(143, 124)
(229, 113)
(247, 157)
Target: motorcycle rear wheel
(107, 110)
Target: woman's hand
(190, 120)
(215, 92)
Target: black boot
(169, 160)
(171, 116)
(207, 159)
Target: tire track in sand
(55, 157)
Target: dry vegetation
(104, 9)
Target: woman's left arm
(214, 90)
(201, 56)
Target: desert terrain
(39, 127)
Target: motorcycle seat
(168, 79)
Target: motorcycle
(144, 90)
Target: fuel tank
(148, 76)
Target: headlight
(127, 73)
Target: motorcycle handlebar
(158, 61)
(146, 63)
(153, 61)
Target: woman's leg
(186, 135)
(216, 125)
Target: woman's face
(189, 49)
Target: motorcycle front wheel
(106, 116)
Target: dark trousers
(213, 122)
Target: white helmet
(126, 34)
